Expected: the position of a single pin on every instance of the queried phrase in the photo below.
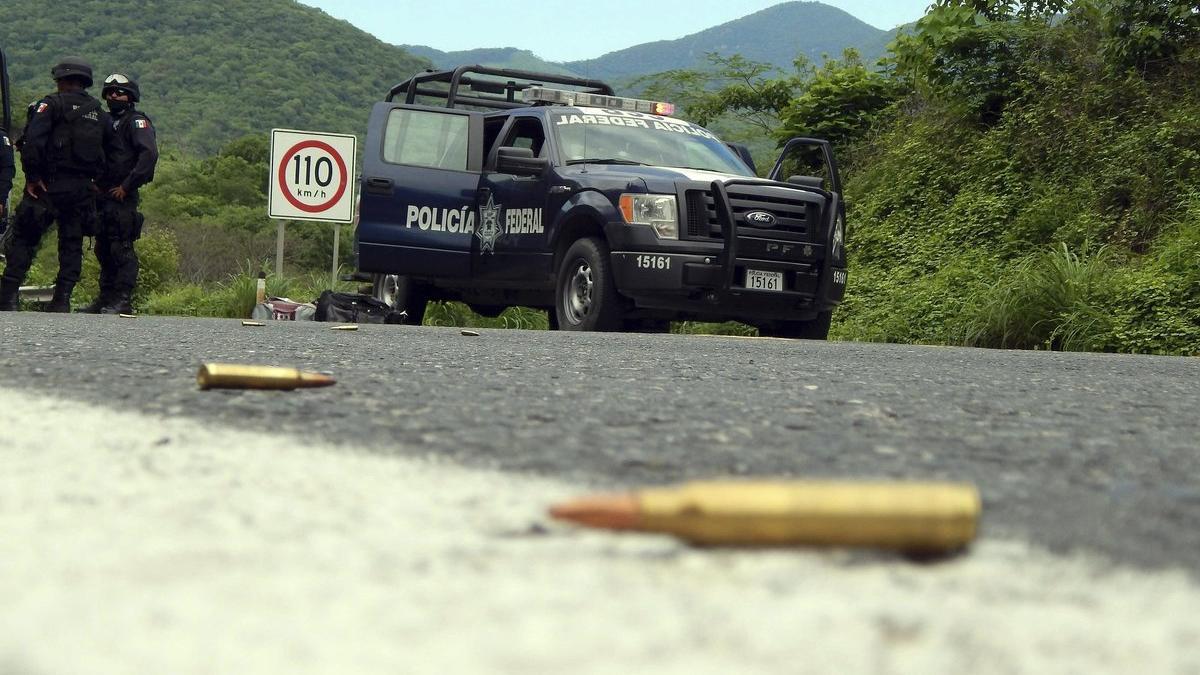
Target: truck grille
(794, 211)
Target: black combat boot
(61, 302)
(9, 295)
(119, 303)
(103, 299)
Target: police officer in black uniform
(6, 235)
(62, 154)
(132, 153)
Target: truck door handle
(379, 186)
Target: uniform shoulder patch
(141, 123)
(42, 107)
(6, 141)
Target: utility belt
(69, 178)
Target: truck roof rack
(492, 88)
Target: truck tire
(585, 296)
(401, 294)
(815, 329)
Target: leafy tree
(971, 51)
(732, 85)
(839, 103)
(1142, 33)
(1007, 10)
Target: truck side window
(807, 162)
(423, 138)
(527, 132)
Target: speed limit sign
(311, 176)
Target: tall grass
(235, 297)
(458, 314)
(1050, 300)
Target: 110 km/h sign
(311, 176)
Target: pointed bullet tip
(615, 512)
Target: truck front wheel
(585, 296)
(401, 294)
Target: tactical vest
(77, 141)
(121, 153)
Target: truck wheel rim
(578, 300)
(386, 290)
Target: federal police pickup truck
(534, 189)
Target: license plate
(760, 280)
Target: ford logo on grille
(761, 219)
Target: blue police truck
(499, 187)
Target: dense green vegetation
(1038, 183)
(1018, 174)
(213, 71)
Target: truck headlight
(658, 211)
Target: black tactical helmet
(73, 66)
(122, 83)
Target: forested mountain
(212, 71)
(501, 57)
(774, 35)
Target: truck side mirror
(520, 162)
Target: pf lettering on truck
(501, 187)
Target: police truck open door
(6, 119)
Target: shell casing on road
(253, 323)
(346, 327)
(233, 376)
(901, 516)
(916, 517)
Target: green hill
(502, 57)
(774, 35)
(212, 72)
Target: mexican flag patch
(42, 107)
(141, 124)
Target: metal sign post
(311, 179)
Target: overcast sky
(569, 30)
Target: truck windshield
(594, 136)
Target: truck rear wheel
(401, 294)
(585, 296)
(815, 329)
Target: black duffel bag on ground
(355, 308)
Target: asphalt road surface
(1086, 462)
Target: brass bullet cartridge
(346, 327)
(127, 316)
(232, 376)
(469, 333)
(912, 517)
(253, 323)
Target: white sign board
(311, 175)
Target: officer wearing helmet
(132, 153)
(62, 153)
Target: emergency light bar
(585, 100)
